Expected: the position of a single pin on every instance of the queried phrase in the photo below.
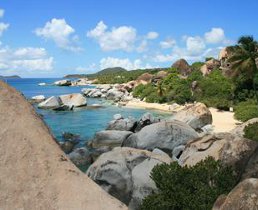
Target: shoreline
(223, 121)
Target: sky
(52, 38)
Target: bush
(215, 90)
(189, 188)
(251, 131)
(246, 110)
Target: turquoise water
(84, 122)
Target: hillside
(35, 173)
(10, 77)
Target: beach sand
(223, 121)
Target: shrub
(215, 90)
(188, 188)
(246, 110)
(251, 131)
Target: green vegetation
(251, 131)
(188, 188)
(246, 110)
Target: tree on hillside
(243, 59)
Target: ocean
(84, 122)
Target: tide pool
(84, 122)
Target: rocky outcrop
(146, 77)
(196, 115)
(243, 197)
(239, 130)
(38, 99)
(164, 135)
(110, 138)
(35, 173)
(209, 66)
(125, 173)
(122, 124)
(81, 157)
(182, 66)
(51, 103)
(73, 100)
(64, 82)
(232, 150)
(64, 102)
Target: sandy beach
(223, 121)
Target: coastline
(223, 121)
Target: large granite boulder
(80, 157)
(146, 77)
(64, 82)
(122, 124)
(73, 100)
(51, 103)
(146, 119)
(239, 130)
(182, 66)
(209, 66)
(164, 135)
(114, 94)
(196, 115)
(110, 138)
(125, 173)
(232, 150)
(38, 98)
(243, 197)
(34, 172)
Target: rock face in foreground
(243, 197)
(34, 172)
(164, 135)
(125, 173)
(231, 150)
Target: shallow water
(84, 122)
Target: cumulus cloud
(1, 13)
(195, 45)
(3, 27)
(215, 36)
(168, 43)
(143, 46)
(61, 33)
(25, 59)
(124, 63)
(120, 38)
(152, 35)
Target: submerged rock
(125, 173)
(164, 135)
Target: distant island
(10, 77)
(110, 71)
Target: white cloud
(3, 27)
(215, 36)
(121, 38)
(195, 45)
(25, 59)
(87, 70)
(152, 35)
(61, 33)
(124, 63)
(168, 43)
(1, 13)
(143, 46)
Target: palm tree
(243, 59)
(160, 89)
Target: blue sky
(52, 38)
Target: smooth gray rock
(73, 100)
(81, 156)
(125, 173)
(63, 82)
(50, 103)
(164, 135)
(239, 130)
(110, 138)
(114, 94)
(196, 115)
(126, 124)
(117, 117)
